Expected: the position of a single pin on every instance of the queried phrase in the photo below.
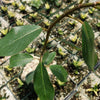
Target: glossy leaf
(42, 84)
(48, 57)
(29, 77)
(59, 72)
(18, 39)
(88, 51)
(20, 59)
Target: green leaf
(20, 59)
(29, 77)
(42, 84)
(18, 39)
(36, 3)
(59, 72)
(48, 57)
(45, 56)
(88, 51)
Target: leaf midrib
(21, 37)
(43, 79)
(92, 58)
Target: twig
(66, 13)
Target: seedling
(20, 82)
(48, 43)
(30, 50)
(33, 15)
(72, 23)
(83, 16)
(60, 83)
(60, 31)
(58, 2)
(19, 22)
(8, 68)
(11, 14)
(57, 15)
(47, 23)
(47, 6)
(61, 52)
(36, 3)
(98, 25)
(22, 8)
(3, 8)
(4, 31)
(77, 63)
(52, 10)
(73, 38)
(91, 10)
(94, 89)
(15, 4)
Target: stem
(80, 1)
(66, 13)
(77, 19)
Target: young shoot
(4, 31)
(94, 89)
(11, 14)
(19, 22)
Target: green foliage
(91, 11)
(77, 63)
(48, 57)
(33, 15)
(95, 89)
(29, 78)
(61, 52)
(14, 4)
(59, 72)
(22, 8)
(20, 59)
(19, 22)
(11, 14)
(4, 31)
(30, 50)
(37, 3)
(98, 25)
(8, 68)
(47, 6)
(72, 23)
(83, 16)
(60, 83)
(42, 84)
(3, 8)
(45, 56)
(56, 2)
(20, 82)
(88, 51)
(60, 31)
(18, 39)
